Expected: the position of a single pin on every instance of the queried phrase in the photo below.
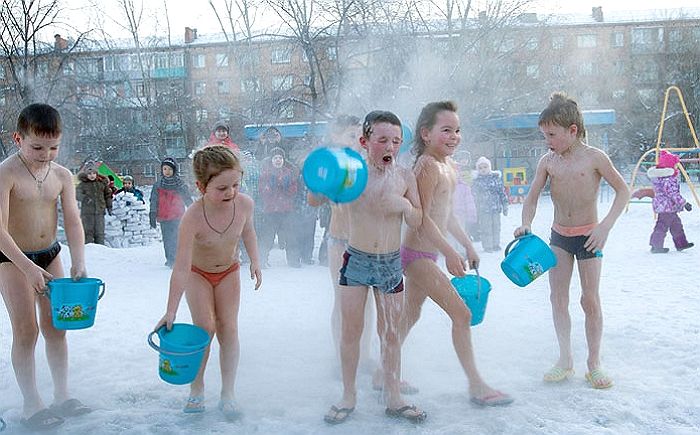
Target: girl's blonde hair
(212, 160)
(427, 119)
(563, 111)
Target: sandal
(557, 374)
(42, 420)
(598, 379)
(409, 412)
(337, 415)
(194, 405)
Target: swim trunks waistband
(580, 230)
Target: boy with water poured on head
(30, 187)
(574, 171)
(372, 259)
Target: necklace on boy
(204, 209)
(39, 182)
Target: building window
(617, 39)
(531, 44)
(281, 55)
(221, 60)
(198, 61)
(200, 88)
(224, 86)
(647, 72)
(332, 53)
(586, 41)
(161, 61)
(648, 96)
(558, 70)
(148, 170)
(250, 85)
(557, 42)
(618, 94)
(177, 61)
(675, 35)
(3, 100)
(201, 115)
(587, 68)
(2, 72)
(287, 111)
(506, 45)
(69, 68)
(224, 112)
(647, 36)
(282, 83)
(619, 67)
(139, 89)
(533, 71)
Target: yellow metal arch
(658, 144)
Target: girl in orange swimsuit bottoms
(206, 266)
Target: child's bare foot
(378, 384)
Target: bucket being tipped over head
(181, 351)
(529, 258)
(340, 174)
(474, 291)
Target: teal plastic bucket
(474, 291)
(181, 351)
(529, 258)
(340, 174)
(74, 303)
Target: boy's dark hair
(376, 117)
(426, 119)
(341, 122)
(563, 111)
(41, 119)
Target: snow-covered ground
(288, 376)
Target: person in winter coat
(491, 201)
(129, 187)
(94, 196)
(463, 204)
(278, 187)
(220, 135)
(667, 202)
(169, 198)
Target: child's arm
(413, 215)
(73, 225)
(250, 241)
(599, 234)
(315, 200)
(35, 275)
(530, 203)
(181, 269)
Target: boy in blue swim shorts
(372, 259)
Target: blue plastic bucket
(474, 291)
(181, 350)
(74, 303)
(529, 258)
(340, 174)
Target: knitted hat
(483, 160)
(220, 125)
(276, 151)
(169, 161)
(89, 167)
(129, 178)
(667, 160)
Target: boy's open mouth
(387, 159)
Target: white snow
(288, 376)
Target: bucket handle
(169, 352)
(517, 239)
(478, 284)
(47, 291)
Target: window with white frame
(587, 68)
(223, 86)
(287, 111)
(675, 35)
(531, 43)
(177, 60)
(533, 71)
(2, 72)
(148, 170)
(200, 88)
(332, 53)
(618, 94)
(282, 83)
(281, 55)
(222, 60)
(617, 39)
(199, 61)
(506, 45)
(647, 35)
(224, 112)
(558, 42)
(647, 72)
(201, 115)
(587, 40)
(558, 70)
(250, 85)
(619, 67)
(161, 61)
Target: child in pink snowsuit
(667, 203)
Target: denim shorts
(381, 271)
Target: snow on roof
(632, 16)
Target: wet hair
(376, 117)
(212, 160)
(342, 122)
(564, 112)
(427, 119)
(41, 119)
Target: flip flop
(408, 412)
(497, 398)
(229, 409)
(598, 379)
(557, 374)
(406, 388)
(42, 420)
(194, 405)
(337, 415)
(70, 408)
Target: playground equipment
(515, 180)
(683, 153)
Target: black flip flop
(42, 420)
(340, 415)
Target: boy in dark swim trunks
(206, 266)
(30, 186)
(372, 259)
(574, 170)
